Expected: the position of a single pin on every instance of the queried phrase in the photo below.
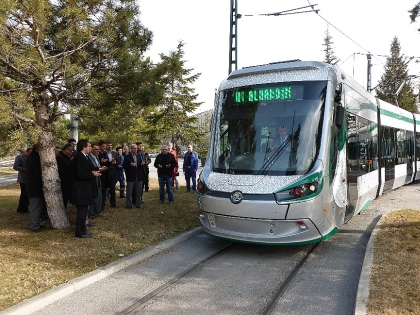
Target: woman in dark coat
(83, 186)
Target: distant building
(204, 119)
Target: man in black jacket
(34, 189)
(84, 186)
(64, 162)
(165, 164)
(134, 176)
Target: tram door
(362, 160)
(351, 175)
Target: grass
(395, 279)
(31, 263)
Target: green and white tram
(297, 149)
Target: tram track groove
(171, 282)
(282, 287)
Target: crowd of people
(89, 174)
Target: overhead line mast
(233, 35)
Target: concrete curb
(364, 280)
(48, 297)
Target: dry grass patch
(31, 263)
(395, 279)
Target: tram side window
(409, 149)
(389, 147)
(418, 146)
(362, 144)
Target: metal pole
(369, 74)
(233, 36)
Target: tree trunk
(52, 189)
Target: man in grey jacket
(20, 166)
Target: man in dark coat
(34, 189)
(64, 162)
(20, 166)
(165, 164)
(134, 176)
(84, 186)
(108, 158)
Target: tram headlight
(201, 188)
(302, 191)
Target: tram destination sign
(267, 93)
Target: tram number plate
(212, 222)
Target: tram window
(418, 146)
(389, 147)
(362, 143)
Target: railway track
(278, 291)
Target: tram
(297, 149)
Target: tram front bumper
(265, 231)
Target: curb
(364, 280)
(48, 297)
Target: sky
(356, 26)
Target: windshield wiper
(269, 161)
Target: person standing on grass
(84, 186)
(134, 175)
(165, 164)
(172, 151)
(20, 166)
(119, 175)
(190, 167)
(34, 186)
(146, 157)
(64, 162)
(95, 209)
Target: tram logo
(236, 197)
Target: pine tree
(395, 75)
(330, 57)
(415, 12)
(172, 118)
(57, 55)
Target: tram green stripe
(327, 236)
(367, 204)
(396, 116)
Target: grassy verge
(395, 279)
(32, 263)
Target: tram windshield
(269, 129)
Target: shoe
(129, 207)
(188, 190)
(171, 202)
(91, 217)
(40, 229)
(146, 190)
(138, 207)
(113, 206)
(122, 196)
(87, 235)
(90, 224)
(160, 201)
(99, 215)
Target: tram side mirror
(339, 116)
(338, 92)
